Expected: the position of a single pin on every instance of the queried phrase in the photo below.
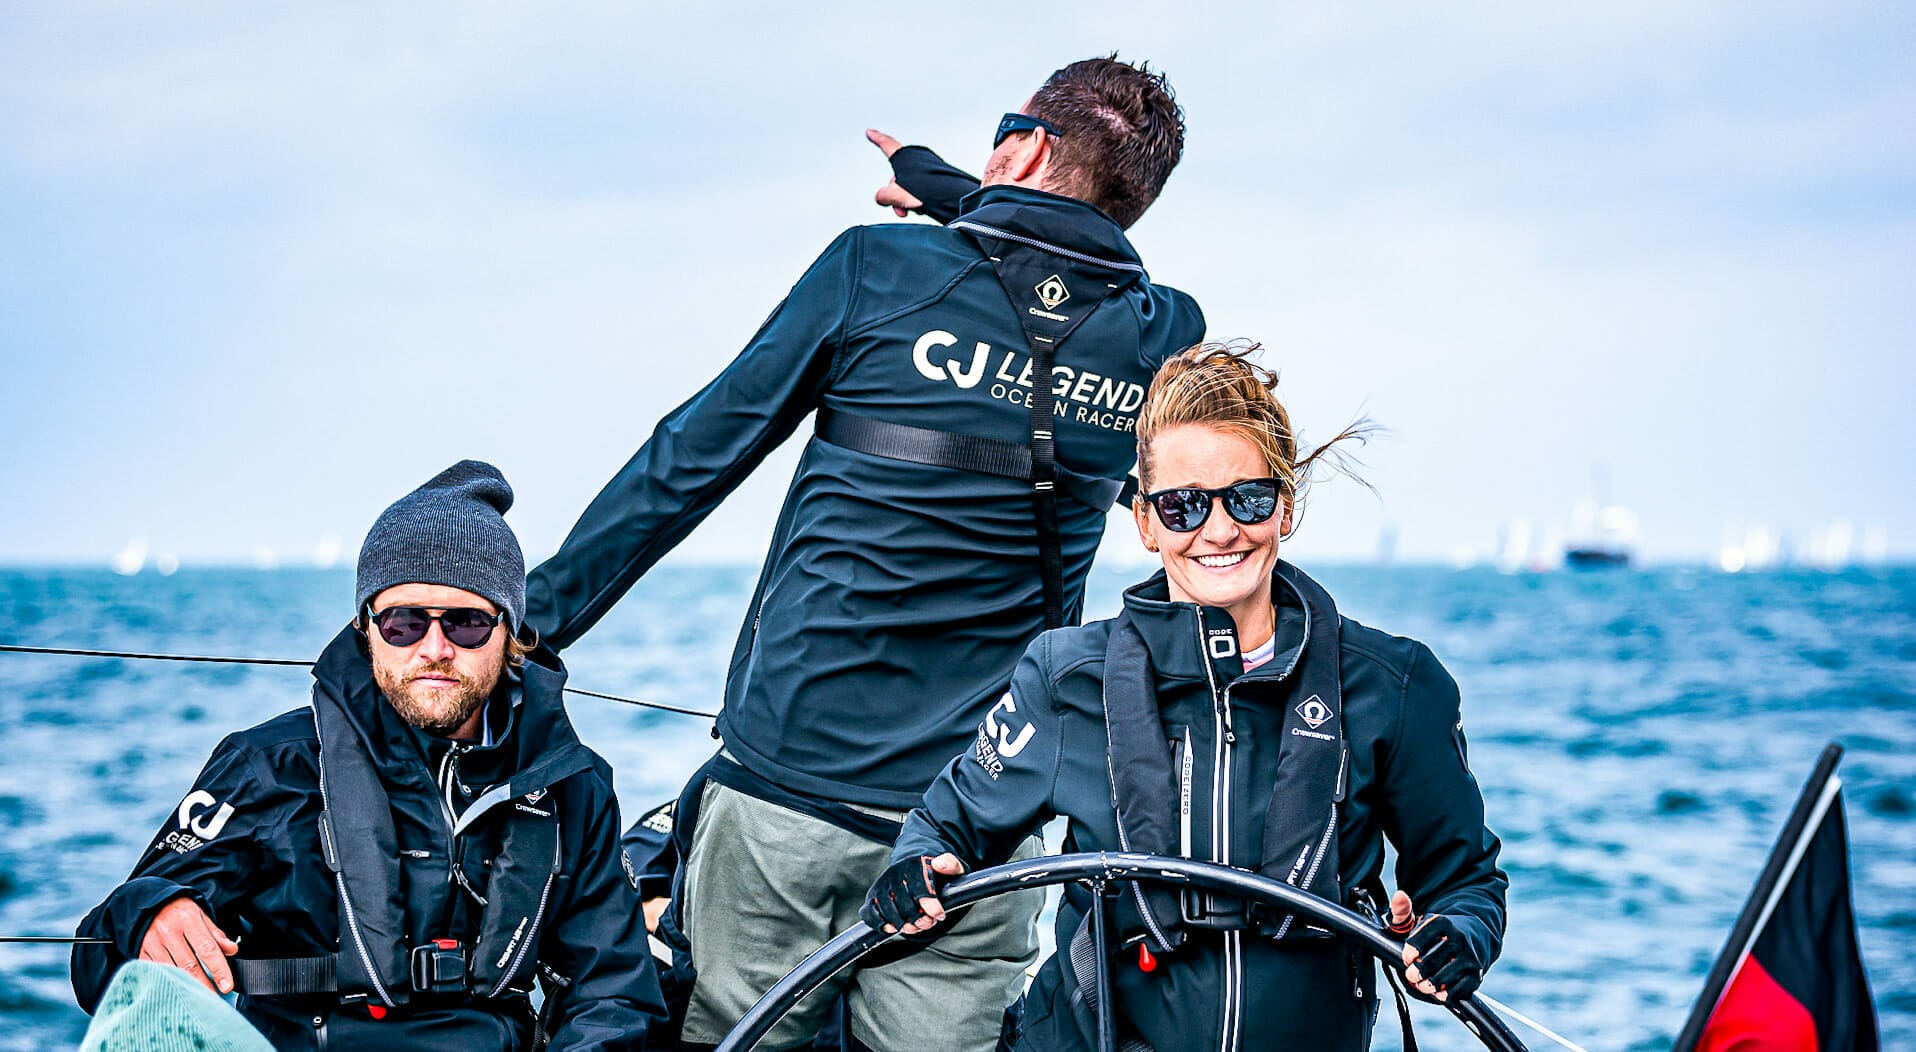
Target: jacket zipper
(1221, 844)
(1221, 836)
(1185, 767)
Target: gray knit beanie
(450, 531)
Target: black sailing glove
(1446, 959)
(925, 175)
(894, 897)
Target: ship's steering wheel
(1098, 869)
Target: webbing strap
(1084, 957)
(947, 449)
(285, 976)
(1365, 899)
(1403, 1007)
(1044, 481)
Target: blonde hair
(517, 649)
(1217, 385)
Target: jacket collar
(1053, 219)
(1185, 639)
(534, 744)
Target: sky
(264, 270)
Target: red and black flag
(1791, 975)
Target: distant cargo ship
(1596, 558)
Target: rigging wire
(1529, 1022)
(9, 648)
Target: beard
(437, 711)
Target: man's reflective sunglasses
(1020, 122)
(465, 627)
(1185, 508)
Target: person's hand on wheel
(1438, 961)
(905, 896)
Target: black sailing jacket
(896, 596)
(1042, 753)
(245, 844)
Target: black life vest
(376, 963)
(1300, 821)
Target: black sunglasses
(1185, 508)
(402, 626)
(1021, 122)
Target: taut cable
(9, 648)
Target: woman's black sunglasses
(1020, 122)
(402, 626)
(1185, 508)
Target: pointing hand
(891, 195)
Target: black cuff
(926, 176)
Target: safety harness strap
(1084, 960)
(948, 449)
(1044, 480)
(285, 976)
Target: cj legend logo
(996, 742)
(1051, 292)
(199, 822)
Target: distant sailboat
(131, 559)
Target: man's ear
(1032, 157)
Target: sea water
(1639, 737)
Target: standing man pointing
(976, 389)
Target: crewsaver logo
(1051, 292)
(1314, 711)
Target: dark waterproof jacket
(1043, 753)
(896, 596)
(245, 845)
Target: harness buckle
(439, 967)
(1203, 909)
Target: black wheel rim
(848, 946)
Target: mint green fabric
(158, 1008)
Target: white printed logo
(1223, 644)
(203, 826)
(1051, 292)
(1000, 733)
(966, 378)
(1080, 395)
(1314, 711)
